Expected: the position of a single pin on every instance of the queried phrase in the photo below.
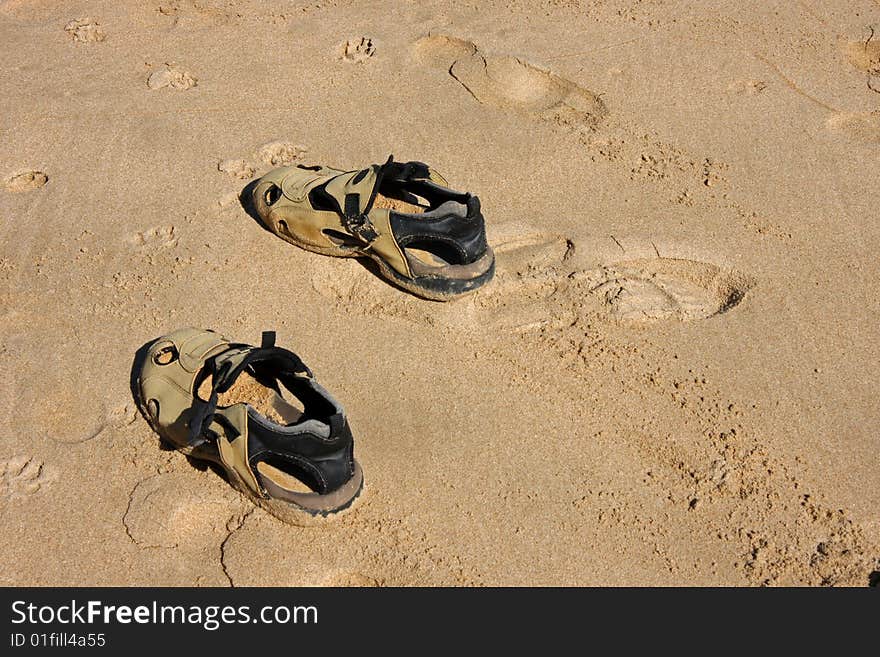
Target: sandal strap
(358, 184)
(225, 368)
(356, 222)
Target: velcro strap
(227, 366)
(352, 205)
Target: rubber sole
(437, 288)
(318, 508)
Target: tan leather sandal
(221, 401)
(425, 237)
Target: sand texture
(672, 379)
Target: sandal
(220, 401)
(425, 237)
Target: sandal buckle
(361, 227)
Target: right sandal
(425, 237)
(221, 401)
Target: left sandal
(425, 237)
(220, 401)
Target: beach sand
(672, 379)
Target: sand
(671, 381)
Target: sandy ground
(672, 379)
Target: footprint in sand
(510, 82)
(441, 51)
(530, 272)
(280, 153)
(865, 55)
(237, 169)
(171, 77)
(668, 289)
(189, 510)
(22, 476)
(521, 248)
(25, 181)
(160, 237)
(272, 154)
(357, 50)
(856, 126)
(544, 279)
(63, 426)
(85, 30)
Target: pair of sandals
(256, 411)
